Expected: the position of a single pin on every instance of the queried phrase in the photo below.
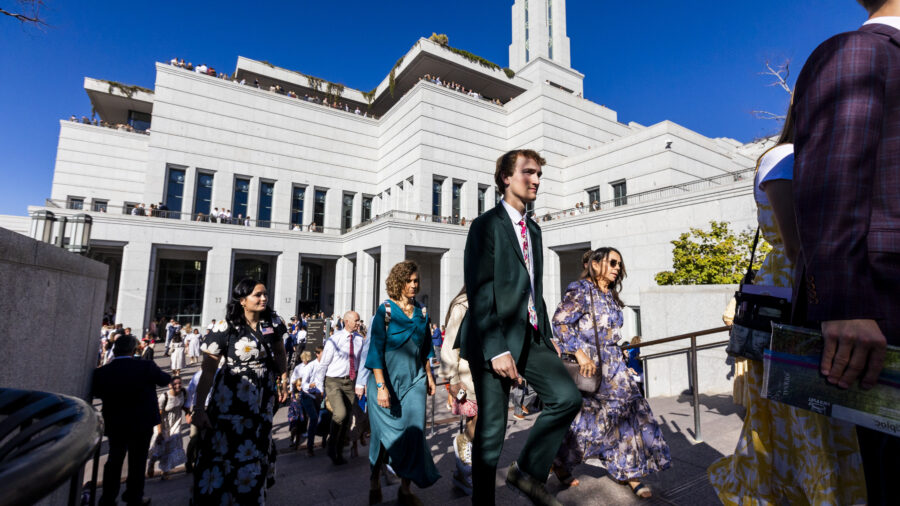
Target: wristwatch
(379, 385)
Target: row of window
(620, 194)
(437, 187)
(241, 198)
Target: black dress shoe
(529, 487)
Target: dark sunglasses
(614, 262)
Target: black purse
(755, 312)
(570, 362)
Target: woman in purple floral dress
(615, 424)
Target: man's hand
(851, 347)
(505, 366)
(360, 391)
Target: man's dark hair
(124, 345)
(871, 5)
(506, 165)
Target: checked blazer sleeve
(839, 108)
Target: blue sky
(692, 62)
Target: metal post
(432, 410)
(695, 390)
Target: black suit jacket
(127, 388)
(497, 285)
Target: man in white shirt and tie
(340, 365)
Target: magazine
(792, 376)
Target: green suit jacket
(497, 286)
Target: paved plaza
(313, 481)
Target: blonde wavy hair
(398, 278)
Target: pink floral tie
(352, 360)
(532, 312)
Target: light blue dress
(401, 353)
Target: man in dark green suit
(506, 335)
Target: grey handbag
(570, 362)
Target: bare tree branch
(768, 115)
(780, 73)
(30, 14)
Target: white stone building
(336, 198)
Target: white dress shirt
(297, 374)
(335, 361)
(309, 376)
(892, 21)
(516, 217)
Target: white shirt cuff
(500, 355)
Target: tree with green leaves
(712, 257)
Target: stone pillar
(357, 208)
(187, 198)
(287, 272)
(135, 291)
(223, 191)
(447, 197)
(469, 201)
(365, 284)
(392, 253)
(252, 203)
(333, 200)
(552, 287)
(217, 286)
(281, 206)
(343, 286)
(452, 280)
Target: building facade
(325, 200)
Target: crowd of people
(324, 100)
(453, 85)
(499, 339)
(116, 126)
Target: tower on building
(540, 50)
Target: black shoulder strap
(748, 276)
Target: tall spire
(539, 30)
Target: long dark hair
(599, 255)
(234, 312)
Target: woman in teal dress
(398, 357)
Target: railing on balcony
(45, 440)
(648, 196)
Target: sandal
(565, 477)
(641, 490)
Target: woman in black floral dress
(236, 458)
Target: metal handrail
(45, 439)
(692, 349)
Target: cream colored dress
(786, 455)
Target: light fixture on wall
(42, 225)
(79, 236)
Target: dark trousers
(136, 444)
(310, 407)
(545, 373)
(340, 393)
(881, 464)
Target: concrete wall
(52, 312)
(672, 310)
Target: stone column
(552, 290)
(223, 191)
(452, 280)
(392, 252)
(135, 290)
(469, 201)
(252, 203)
(187, 198)
(365, 279)
(447, 197)
(357, 208)
(217, 286)
(287, 272)
(281, 205)
(309, 196)
(343, 285)
(333, 200)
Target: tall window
(593, 196)
(241, 196)
(319, 209)
(526, 30)
(620, 193)
(264, 209)
(179, 289)
(482, 193)
(203, 193)
(347, 211)
(457, 194)
(174, 192)
(367, 208)
(550, 27)
(298, 196)
(436, 186)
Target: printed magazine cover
(792, 377)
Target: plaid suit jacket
(847, 178)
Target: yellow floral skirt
(788, 454)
